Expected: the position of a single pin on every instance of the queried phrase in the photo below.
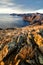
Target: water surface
(9, 21)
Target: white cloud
(9, 7)
(10, 10)
(39, 11)
(6, 6)
(2, 3)
(4, 0)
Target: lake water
(9, 21)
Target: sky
(21, 6)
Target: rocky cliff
(35, 18)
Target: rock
(41, 32)
(25, 53)
(22, 46)
(2, 63)
(36, 19)
(8, 48)
(39, 41)
(21, 39)
(41, 48)
(41, 59)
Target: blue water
(9, 21)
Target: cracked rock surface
(22, 46)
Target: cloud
(18, 10)
(5, 3)
(8, 6)
(9, 10)
(4, 0)
(39, 11)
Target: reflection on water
(8, 21)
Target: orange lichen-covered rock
(25, 53)
(1, 63)
(21, 46)
(3, 53)
(39, 41)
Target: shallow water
(9, 21)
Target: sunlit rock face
(22, 46)
(34, 18)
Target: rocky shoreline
(22, 46)
(35, 18)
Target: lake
(9, 21)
